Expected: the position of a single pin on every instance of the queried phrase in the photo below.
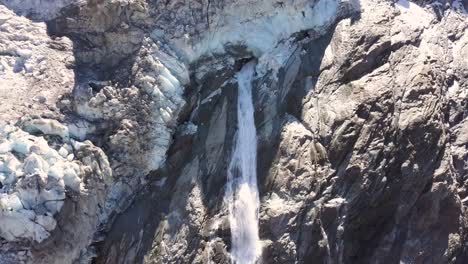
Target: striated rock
(354, 149)
(120, 124)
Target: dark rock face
(362, 132)
(360, 157)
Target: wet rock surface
(360, 114)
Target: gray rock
(360, 109)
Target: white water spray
(242, 192)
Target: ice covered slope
(257, 25)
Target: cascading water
(242, 193)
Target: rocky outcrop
(35, 69)
(355, 148)
(121, 124)
(49, 181)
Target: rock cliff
(118, 119)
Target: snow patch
(454, 91)
(335, 202)
(47, 126)
(189, 128)
(414, 15)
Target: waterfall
(242, 191)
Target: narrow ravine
(242, 192)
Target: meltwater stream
(242, 192)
